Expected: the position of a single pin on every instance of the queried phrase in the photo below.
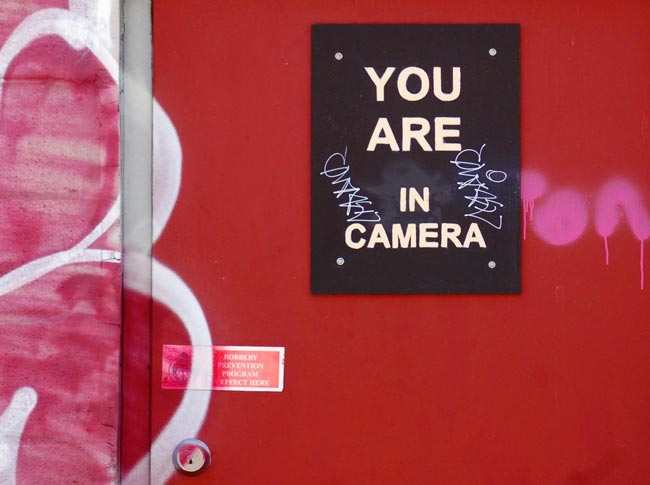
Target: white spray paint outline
(12, 425)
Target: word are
(423, 235)
(416, 129)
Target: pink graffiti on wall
(561, 216)
(60, 275)
(60, 241)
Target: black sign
(415, 159)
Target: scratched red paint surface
(548, 387)
(59, 150)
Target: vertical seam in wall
(149, 64)
(150, 225)
(122, 312)
(136, 150)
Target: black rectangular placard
(415, 159)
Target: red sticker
(223, 368)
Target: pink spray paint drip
(533, 185)
(615, 198)
(642, 270)
(529, 211)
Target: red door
(550, 386)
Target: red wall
(550, 386)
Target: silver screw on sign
(191, 457)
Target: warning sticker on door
(223, 368)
